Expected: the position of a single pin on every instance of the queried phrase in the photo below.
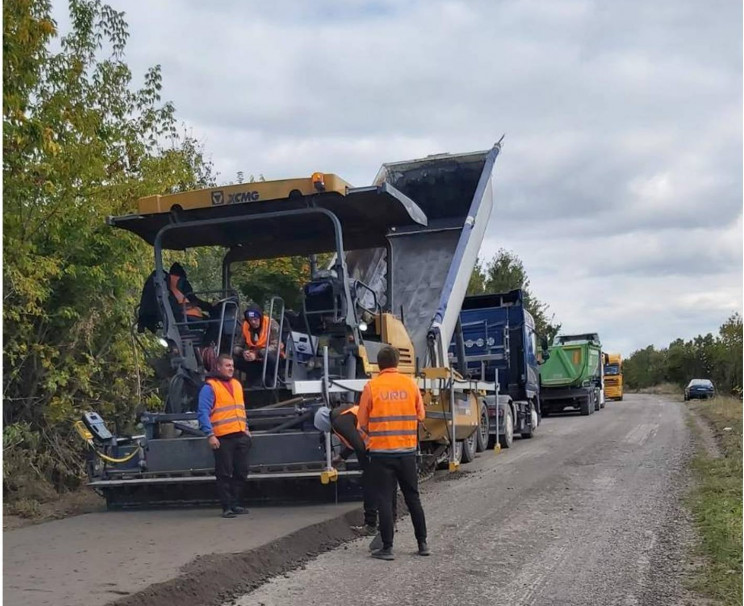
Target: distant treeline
(715, 357)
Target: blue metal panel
(498, 336)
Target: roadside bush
(80, 142)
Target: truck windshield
(611, 369)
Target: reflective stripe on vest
(393, 423)
(191, 309)
(263, 335)
(228, 413)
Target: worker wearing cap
(221, 415)
(390, 409)
(259, 336)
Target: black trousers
(231, 467)
(385, 472)
(345, 425)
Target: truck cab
(500, 344)
(613, 376)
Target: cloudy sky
(620, 182)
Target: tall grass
(716, 502)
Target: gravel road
(587, 512)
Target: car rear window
(700, 383)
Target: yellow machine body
(436, 426)
(243, 193)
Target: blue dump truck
(497, 341)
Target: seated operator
(257, 332)
(183, 299)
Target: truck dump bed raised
(424, 272)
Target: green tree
(644, 368)
(506, 272)
(80, 142)
(477, 284)
(727, 357)
(718, 358)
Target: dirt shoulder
(67, 505)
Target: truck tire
(545, 413)
(620, 399)
(507, 437)
(597, 405)
(586, 407)
(468, 448)
(530, 430)
(481, 442)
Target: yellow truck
(613, 376)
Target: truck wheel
(530, 431)
(481, 436)
(508, 436)
(545, 413)
(586, 407)
(597, 405)
(468, 448)
(620, 399)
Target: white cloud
(620, 184)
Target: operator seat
(324, 303)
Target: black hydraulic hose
(292, 422)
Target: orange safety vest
(228, 411)
(393, 422)
(263, 335)
(352, 410)
(191, 309)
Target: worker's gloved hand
(213, 442)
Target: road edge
(212, 580)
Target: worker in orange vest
(345, 425)
(389, 413)
(184, 301)
(221, 415)
(259, 336)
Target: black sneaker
(365, 530)
(423, 549)
(376, 543)
(227, 513)
(386, 553)
(238, 510)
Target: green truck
(572, 375)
